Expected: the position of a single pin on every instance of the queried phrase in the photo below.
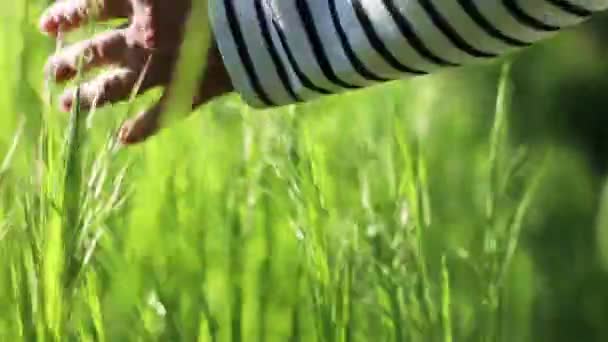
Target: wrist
(216, 80)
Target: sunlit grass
(394, 214)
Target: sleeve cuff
(256, 65)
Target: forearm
(281, 52)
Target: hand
(148, 46)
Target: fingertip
(144, 25)
(63, 72)
(124, 139)
(66, 101)
(72, 18)
(49, 24)
(140, 128)
(58, 71)
(126, 135)
(75, 96)
(150, 39)
(61, 17)
(144, 35)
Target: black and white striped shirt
(280, 52)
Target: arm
(278, 52)
(281, 52)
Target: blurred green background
(411, 211)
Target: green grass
(407, 212)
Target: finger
(143, 126)
(143, 23)
(104, 49)
(68, 15)
(215, 83)
(149, 123)
(111, 87)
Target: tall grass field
(465, 206)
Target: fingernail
(66, 102)
(149, 39)
(124, 135)
(148, 10)
(48, 25)
(137, 130)
(63, 72)
(71, 19)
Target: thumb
(149, 123)
(146, 124)
(143, 126)
(215, 83)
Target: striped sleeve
(280, 52)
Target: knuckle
(103, 90)
(90, 54)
